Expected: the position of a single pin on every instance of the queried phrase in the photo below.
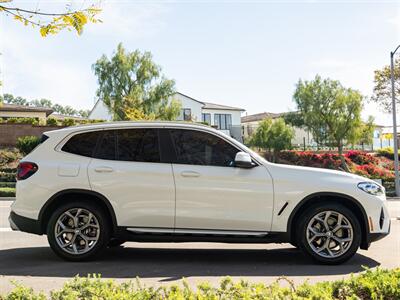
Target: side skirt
(166, 235)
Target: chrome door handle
(103, 169)
(190, 174)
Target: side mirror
(243, 160)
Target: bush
(7, 177)
(7, 192)
(7, 184)
(361, 158)
(68, 122)
(376, 284)
(31, 121)
(374, 172)
(9, 156)
(387, 152)
(26, 144)
(52, 122)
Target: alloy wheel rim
(329, 234)
(77, 231)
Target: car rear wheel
(329, 233)
(78, 231)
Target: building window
(206, 118)
(223, 121)
(185, 115)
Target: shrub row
(377, 284)
(7, 192)
(8, 156)
(7, 184)
(50, 121)
(387, 152)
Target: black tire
(102, 238)
(115, 243)
(301, 233)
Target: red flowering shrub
(373, 171)
(359, 162)
(361, 158)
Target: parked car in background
(93, 186)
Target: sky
(248, 54)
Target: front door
(126, 169)
(211, 193)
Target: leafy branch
(55, 22)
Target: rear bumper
(20, 223)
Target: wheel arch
(92, 196)
(321, 197)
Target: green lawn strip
(372, 284)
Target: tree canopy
(383, 86)
(51, 22)
(132, 82)
(272, 135)
(331, 110)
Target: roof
(261, 116)
(25, 108)
(208, 105)
(62, 117)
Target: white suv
(97, 186)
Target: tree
(131, 80)
(272, 135)
(330, 109)
(383, 86)
(366, 132)
(50, 22)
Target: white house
(222, 117)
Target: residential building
(250, 124)
(23, 111)
(223, 117)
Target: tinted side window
(106, 146)
(82, 144)
(138, 145)
(201, 148)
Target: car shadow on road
(174, 263)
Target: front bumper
(20, 223)
(376, 236)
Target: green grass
(372, 284)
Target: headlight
(371, 188)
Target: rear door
(126, 168)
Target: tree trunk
(343, 161)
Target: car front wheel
(78, 231)
(329, 233)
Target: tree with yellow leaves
(51, 22)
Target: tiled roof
(208, 105)
(25, 108)
(260, 116)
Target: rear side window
(106, 147)
(82, 144)
(138, 145)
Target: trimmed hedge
(7, 184)
(7, 192)
(376, 284)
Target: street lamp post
(395, 144)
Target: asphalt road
(28, 259)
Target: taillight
(26, 169)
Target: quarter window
(82, 144)
(200, 148)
